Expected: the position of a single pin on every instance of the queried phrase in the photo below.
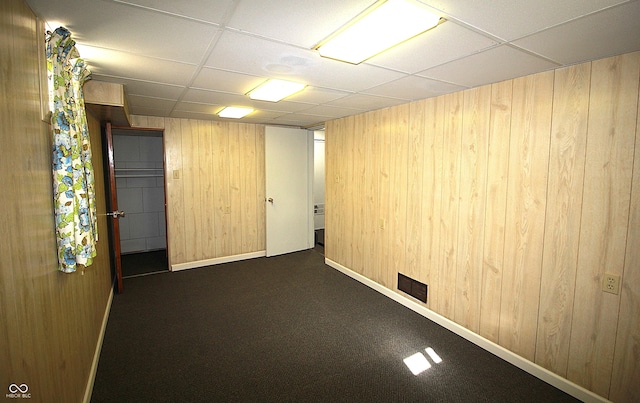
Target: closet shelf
(144, 172)
(141, 176)
(139, 169)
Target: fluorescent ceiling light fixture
(234, 112)
(275, 90)
(417, 363)
(380, 27)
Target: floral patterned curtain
(73, 180)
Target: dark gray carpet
(287, 329)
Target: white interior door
(289, 173)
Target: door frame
(309, 236)
(111, 195)
(112, 205)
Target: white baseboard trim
(217, 260)
(534, 369)
(96, 356)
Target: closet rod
(140, 176)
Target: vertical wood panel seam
(486, 198)
(483, 199)
(504, 222)
(635, 150)
(579, 235)
(624, 260)
(546, 215)
(457, 193)
(181, 196)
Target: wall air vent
(412, 287)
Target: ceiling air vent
(412, 287)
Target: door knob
(270, 200)
(116, 214)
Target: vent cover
(412, 287)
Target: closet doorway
(140, 186)
(318, 189)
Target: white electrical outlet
(611, 283)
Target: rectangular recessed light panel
(379, 28)
(234, 112)
(275, 90)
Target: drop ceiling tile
(260, 57)
(151, 103)
(282, 106)
(331, 112)
(143, 88)
(205, 10)
(226, 81)
(497, 64)
(137, 110)
(197, 108)
(306, 24)
(523, 17)
(220, 98)
(366, 102)
(193, 115)
(315, 95)
(446, 42)
(118, 26)
(260, 114)
(256, 117)
(299, 120)
(610, 32)
(126, 65)
(341, 76)
(270, 59)
(215, 98)
(414, 88)
(260, 117)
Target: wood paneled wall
(510, 201)
(50, 322)
(214, 187)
